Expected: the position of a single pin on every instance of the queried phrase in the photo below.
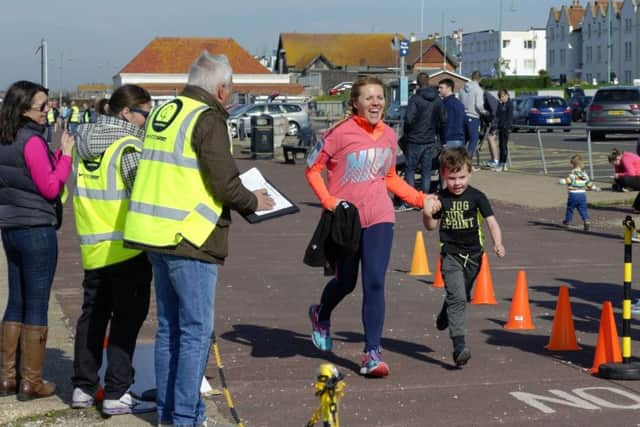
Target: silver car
(296, 115)
(614, 109)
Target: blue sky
(96, 39)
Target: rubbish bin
(262, 137)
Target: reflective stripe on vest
(100, 205)
(169, 201)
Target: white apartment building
(520, 53)
(587, 46)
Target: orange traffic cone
(520, 313)
(419, 263)
(608, 347)
(483, 292)
(438, 282)
(563, 334)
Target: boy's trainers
(320, 334)
(587, 225)
(127, 404)
(373, 366)
(461, 355)
(80, 399)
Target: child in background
(578, 182)
(459, 209)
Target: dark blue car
(542, 111)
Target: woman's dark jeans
(32, 255)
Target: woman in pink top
(627, 173)
(360, 156)
(31, 182)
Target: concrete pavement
(265, 268)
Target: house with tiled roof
(162, 66)
(321, 60)
(564, 41)
(428, 55)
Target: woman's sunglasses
(41, 108)
(139, 111)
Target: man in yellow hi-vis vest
(179, 214)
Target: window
(589, 31)
(627, 77)
(599, 29)
(529, 44)
(627, 51)
(599, 56)
(292, 108)
(506, 43)
(627, 25)
(589, 55)
(563, 57)
(273, 109)
(530, 64)
(552, 34)
(589, 77)
(552, 57)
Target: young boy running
(460, 210)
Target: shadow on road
(547, 225)
(282, 343)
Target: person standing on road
(116, 280)
(472, 97)
(30, 212)
(425, 125)
(459, 210)
(504, 119)
(454, 134)
(179, 213)
(359, 155)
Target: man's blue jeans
(418, 155)
(185, 297)
(471, 134)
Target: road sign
(404, 47)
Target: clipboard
(254, 180)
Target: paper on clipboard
(254, 180)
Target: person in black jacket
(504, 118)
(425, 125)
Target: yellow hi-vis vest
(75, 114)
(169, 201)
(100, 205)
(51, 116)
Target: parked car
(614, 109)
(340, 87)
(296, 115)
(542, 111)
(578, 105)
(395, 113)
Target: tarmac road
(263, 330)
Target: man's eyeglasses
(40, 108)
(139, 111)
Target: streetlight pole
(609, 37)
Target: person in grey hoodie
(424, 130)
(117, 280)
(472, 98)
